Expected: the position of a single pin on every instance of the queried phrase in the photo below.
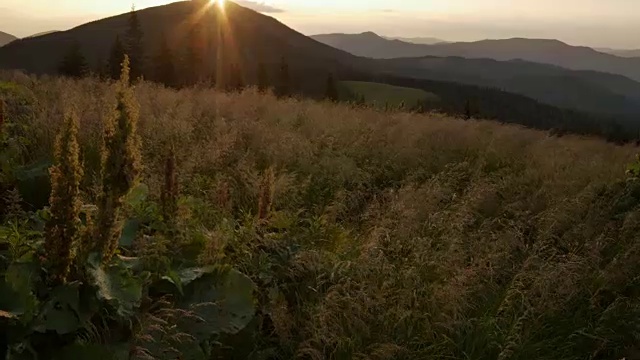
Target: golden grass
(416, 235)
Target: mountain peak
(371, 34)
(6, 38)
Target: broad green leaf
(129, 232)
(175, 281)
(60, 312)
(131, 263)
(174, 278)
(34, 183)
(16, 289)
(187, 276)
(222, 303)
(117, 284)
(137, 195)
(94, 352)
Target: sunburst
(219, 3)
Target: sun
(220, 3)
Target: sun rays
(219, 3)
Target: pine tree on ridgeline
(235, 80)
(194, 67)
(331, 92)
(135, 46)
(100, 69)
(74, 64)
(467, 110)
(284, 79)
(116, 57)
(165, 70)
(263, 78)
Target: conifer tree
(116, 57)
(165, 71)
(120, 166)
(194, 67)
(331, 92)
(235, 80)
(467, 110)
(135, 46)
(63, 228)
(263, 78)
(101, 69)
(74, 63)
(284, 79)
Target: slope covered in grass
(379, 95)
(389, 235)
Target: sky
(597, 23)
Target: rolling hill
(247, 38)
(43, 33)
(386, 96)
(6, 38)
(626, 53)
(252, 37)
(417, 40)
(371, 45)
(551, 52)
(582, 90)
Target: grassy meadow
(383, 95)
(362, 234)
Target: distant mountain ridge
(627, 53)
(43, 33)
(6, 38)
(417, 40)
(543, 102)
(553, 52)
(584, 90)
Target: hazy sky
(600, 23)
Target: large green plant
(67, 293)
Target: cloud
(259, 6)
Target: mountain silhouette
(250, 37)
(417, 40)
(247, 39)
(589, 91)
(6, 38)
(553, 52)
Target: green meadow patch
(384, 95)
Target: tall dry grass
(391, 235)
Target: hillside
(269, 228)
(551, 52)
(371, 45)
(384, 96)
(43, 33)
(587, 91)
(622, 53)
(6, 38)
(250, 37)
(417, 40)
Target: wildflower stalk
(120, 166)
(64, 227)
(265, 199)
(169, 197)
